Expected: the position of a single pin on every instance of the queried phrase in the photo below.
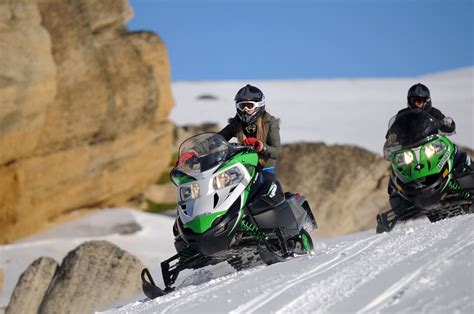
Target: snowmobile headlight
(434, 148)
(190, 191)
(404, 158)
(226, 178)
(429, 151)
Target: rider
(254, 126)
(419, 98)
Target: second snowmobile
(218, 219)
(429, 176)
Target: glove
(184, 157)
(391, 139)
(252, 141)
(447, 121)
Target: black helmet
(252, 97)
(419, 90)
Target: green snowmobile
(429, 176)
(217, 219)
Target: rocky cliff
(84, 109)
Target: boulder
(91, 277)
(345, 185)
(32, 286)
(85, 106)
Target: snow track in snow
(394, 291)
(270, 296)
(419, 267)
(385, 263)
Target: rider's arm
(447, 124)
(271, 148)
(229, 131)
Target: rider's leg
(269, 193)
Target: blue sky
(286, 39)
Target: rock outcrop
(90, 278)
(94, 275)
(345, 185)
(84, 114)
(32, 286)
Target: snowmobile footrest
(151, 290)
(268, 256)
(385, 223)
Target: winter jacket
(271, 147)
(435, 113)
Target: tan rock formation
(85, 120)
(27, 78)
(32, 286)
(91, 277)
(345, 185)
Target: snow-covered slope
(419, 267)
(337, 111)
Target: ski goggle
(415, 99)
(249, 104)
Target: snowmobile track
(343, 256)
(465, 241)
(383, 266)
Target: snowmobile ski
(150, 289)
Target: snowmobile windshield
(412, 128)
(203, 152)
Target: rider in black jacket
(419, 98)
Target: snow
(419, 267)
(337, 111)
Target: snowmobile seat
(265, 203)
(287, 215)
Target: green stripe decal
(179, 178)
(243, 158)
(203, 223)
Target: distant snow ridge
(419, 267)
(333, 111)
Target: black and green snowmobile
(429, 176)
(217, 219)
